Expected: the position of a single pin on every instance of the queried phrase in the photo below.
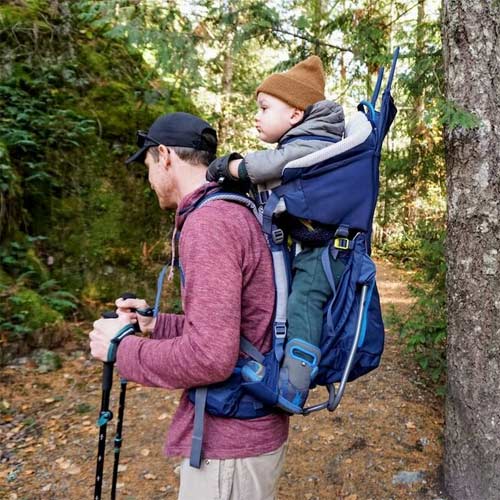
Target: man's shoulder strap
(231, 197)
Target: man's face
(161, 178)
(273, 117)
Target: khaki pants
(252, 478)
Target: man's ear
(165, 155)
(297, 116)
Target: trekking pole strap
(115, 341)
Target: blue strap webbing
(199, 420)
(365, 306)
(281, 275)
(325, 261)
(267, 215)
(250, 350)
(159, 288)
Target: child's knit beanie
(300, 86)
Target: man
(227, 291)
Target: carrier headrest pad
(356, 123)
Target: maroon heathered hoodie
(228, 290)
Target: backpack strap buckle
(342, 243)
(341, 240)
(278, 236)
(280, 330)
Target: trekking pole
(118, 435)
(105, 415)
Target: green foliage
(47, 361)
(32, 305)
(82, 408)
(455, 116)
(29, 308)
(424, 330)
(71, 99)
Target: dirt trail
(383, 442)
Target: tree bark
(471, 46)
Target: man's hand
(125, 308)
(100, 337)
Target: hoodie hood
(322, 118)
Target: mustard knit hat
(300, 86)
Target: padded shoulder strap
(229, 196)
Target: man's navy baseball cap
(176, 129)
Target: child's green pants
(310, 293)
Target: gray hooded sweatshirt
(324, 118)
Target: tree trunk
(471, 45)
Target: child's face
(274, 117)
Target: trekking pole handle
(125, 331)
(148, 311)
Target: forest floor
(383, 442)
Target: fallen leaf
(149, 476)
(122, 468)
(49, 400)
(163, 416)
(145, 452)
(63, 463)
(73, 470)
(410, 425)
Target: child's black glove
(218, 170)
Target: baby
(293, 113)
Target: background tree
(472, 439)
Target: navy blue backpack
(337, 186)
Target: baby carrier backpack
(335, 186)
